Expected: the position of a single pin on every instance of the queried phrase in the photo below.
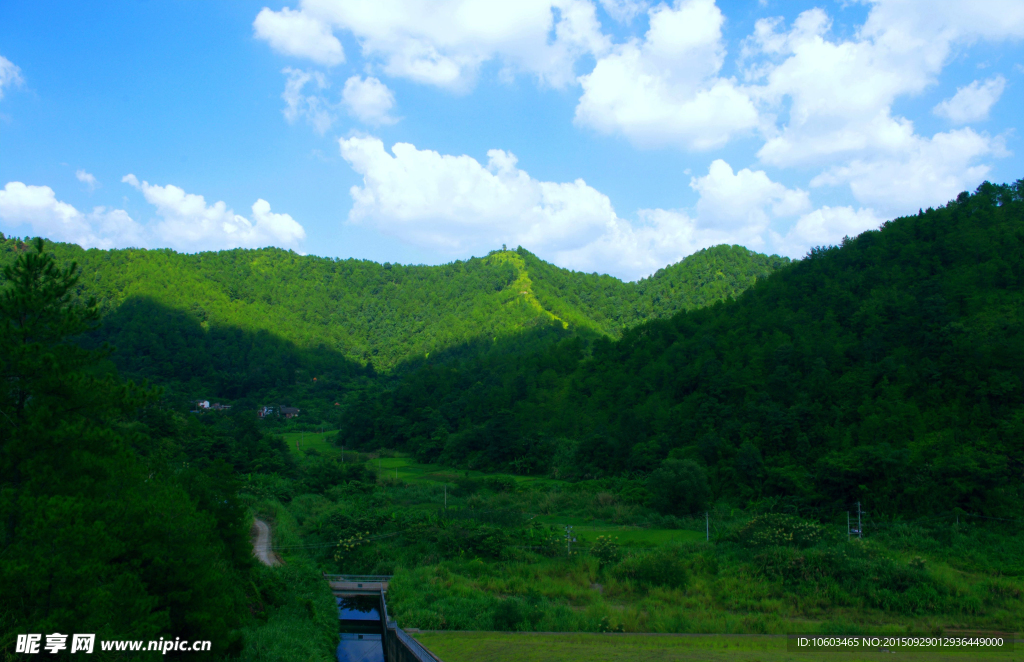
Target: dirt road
(261, 543)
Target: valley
(705, 433)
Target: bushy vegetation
(891, 367)
(760, 573)
(885, 373)
(107, 527)
(259, 323)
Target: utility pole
(860, 530)
(707, 527)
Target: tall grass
(296, 617)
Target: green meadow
(612, 647)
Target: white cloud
(299, 34)
(744, 201)
(835, 97)
(972, 103)
(841, 92)
(444, 42)
(455, 205)
(824, 227)
(38, 208)
(188, 223)
(624, 11)
(665, 89)
(87, 179)
(632, 251)
(317, 110)
(10, 75)
(926, 172)
(369, 100)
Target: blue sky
(614, 136)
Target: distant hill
(240, 321)
(889, 368)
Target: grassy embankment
(484, 574)
(531, 647)
(296, 617)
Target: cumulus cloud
(87, 179)
(972, 103)
(10, 75)
(444, 42)
(836, 97)
(623, 11)
(841, 91)
(299, 34)
(665, 89)
(316, 109)
(369, 100)
(456, 205)
(38, 208)
(746, 200)
(825, 227)
(926, 171)
(634, 250)
(189, 223)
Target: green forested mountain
(891, 367)
(887, 371)
(238, 322)
(606, 303)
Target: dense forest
(259, 323)
(889, 366)
(887, 371)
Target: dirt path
(261, 543)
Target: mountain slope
(890, 368)
(712, 274)
(372, 313)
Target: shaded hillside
(201, 360)
(889, 369)
(368, 312)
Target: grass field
(411, 471)
(628, 536)
(301, 441)
(408, 470)
(558, 647)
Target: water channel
(359, 629)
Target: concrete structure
(398, 645)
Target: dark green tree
(96, 537)
(679, 487)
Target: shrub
(606, 626)
(605, 550)
(776, 530)
(662, 567)
(517, 614)
(679, 487)
(500, 483)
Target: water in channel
(359, 629)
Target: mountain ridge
(387, 313)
